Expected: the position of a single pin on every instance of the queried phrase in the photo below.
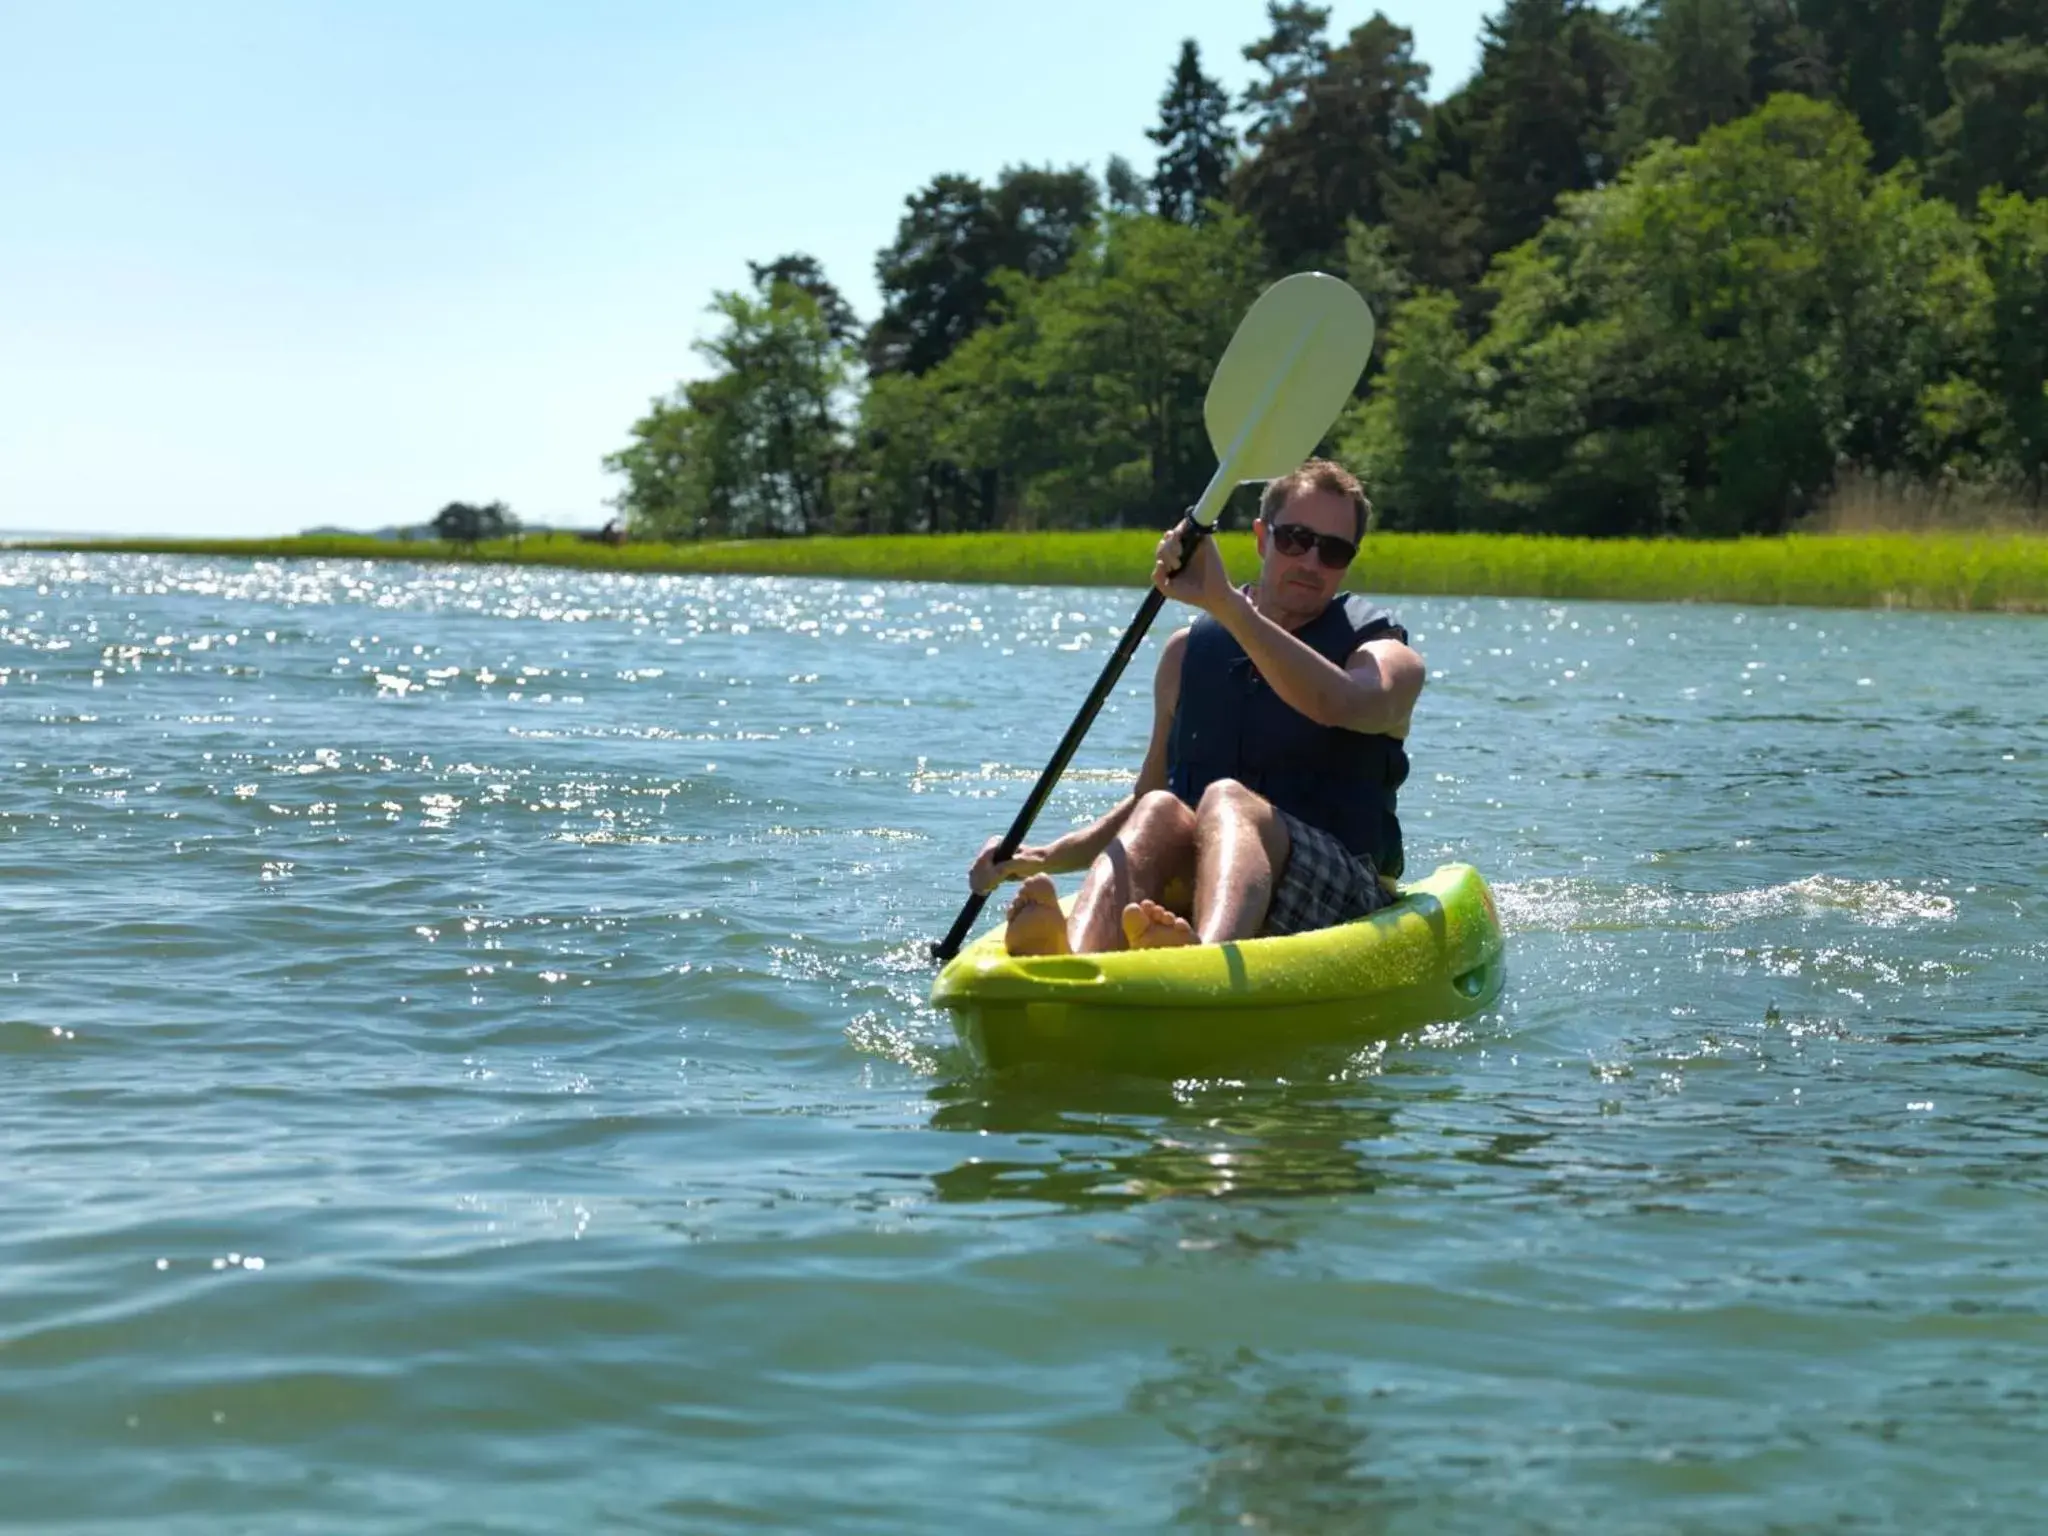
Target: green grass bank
(1954, 571)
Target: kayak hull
(1435, 955)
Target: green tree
(906, 481)
(1914, 317)
(1145, 324)
(938, 276)
(1196, 146)
(1546, 105)
(1617, 295)
(675, 460)
(1552, 109)
(1994, 133)
(1082, 405)
(1410, 439)
(1123, 189)
(788, 373)
(469, 524)
(805, 273)
(756, 448)
(1433, 211)
(1697, 73)
(1699, 347)
(935, 276)
(1293, 55)
(1785, 53)
(1884, 63)
(2014, 236)
(1046, 217)
(1374, 266)
(1335, 125)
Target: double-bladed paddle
(1293, 363)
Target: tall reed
(1986, 572)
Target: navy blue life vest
(1228, 724)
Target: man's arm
(1077, 849)
(1374, 692)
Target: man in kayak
(1265, 804)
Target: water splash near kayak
(1571, 904)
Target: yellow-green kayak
(1434, 955)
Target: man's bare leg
(1241, 846)
(1152, 858)
(1152, 854)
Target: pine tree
(1551, 80)
(1884, 64)
(1293, 53)
(1325, 163)
(1699, 66)
(1785, 53)
(1042, 216)
(1432, 201)
(1196, 146)
(1995, 64)
(1123, 190)
(806, 275)
(938, 276)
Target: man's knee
(1227, 797)
(1160, 802)
(1227, 804)
(1162, 813)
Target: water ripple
(470, 1066)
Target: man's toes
(1135, 924)
(1036, 891)
(1148, 925)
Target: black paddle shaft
(1191, 535)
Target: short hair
(1317, 475)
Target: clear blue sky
(265, 266)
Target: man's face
(1302, 582)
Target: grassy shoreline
(1959, 572)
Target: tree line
(1675, 269)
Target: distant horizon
(276, 267)
(9, 535)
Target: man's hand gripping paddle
(1294, 361)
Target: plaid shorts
(1324, 883)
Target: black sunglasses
(1297, 539)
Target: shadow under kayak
(1435, 955)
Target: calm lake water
(466, 1068)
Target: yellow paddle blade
(1294, 361)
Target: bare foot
(1037, 926)
(1148, 925)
